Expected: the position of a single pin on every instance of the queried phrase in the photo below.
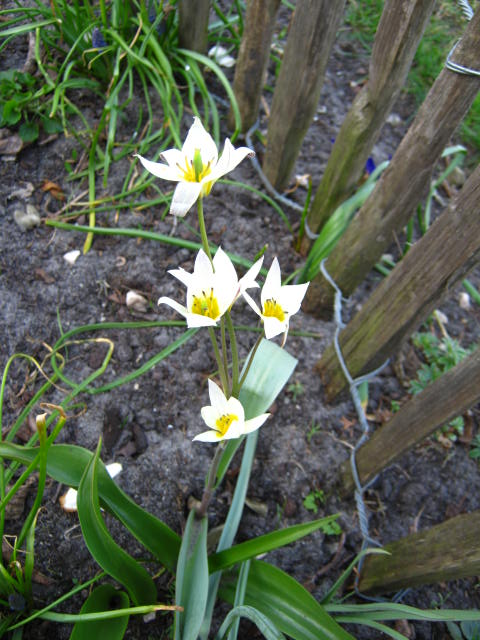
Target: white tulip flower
(279, 303)
(226, 417)
(196, 167)
(211, 288)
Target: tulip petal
(217, 397)
(208, 436)
(291, 296)
(273, 326)
(184, 197)
(273, 282)
(248, 281)
(210, 416)
(229, 159)
(255, 423)
(161, 170)
(174, 304)
(199, 139)
(184, 276)
(252, 303)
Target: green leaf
(269, 373)
(252, 548)
(192, 579)
(112, 558)
(66, 464)
(11, 113)
(291, 608)
(28, 131)
(103, 598)
(264, 625)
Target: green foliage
(313, 499)
(103, 598)
(23, 106)
(475, 452)
(440, 355)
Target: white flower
(196, 167)
(211, 289)
(226, 418)
(279, 303)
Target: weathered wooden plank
(447, 397)
(252, 60)
(193, 24)
(432, 267)
(398, 34)
(299, 83)
(406, 179)
(447, 551)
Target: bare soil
(148, 425)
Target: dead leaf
(54, 189)
(346, 423)
(40, 274)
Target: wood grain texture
(447, 551)
(447, 397)
(193, 24)
(399, 32)
(429, 271)
(299, 84)
(407, 178)
(252, 60)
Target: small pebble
(136, 302)
(71, 256)
(27, 219)
(464, 301)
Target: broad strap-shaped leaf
(66, 464)
(112, 558)
(103, 598)
(268, 374)
(290, 607)
(256, 546)
(192, 579)
(264, 625)
(271, 368)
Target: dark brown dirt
(148, 425)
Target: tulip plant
(238, 406)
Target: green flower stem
(234, 350)
(221, 370)
(249, 363)
(224, 354)
(203, 231)
(201, 510)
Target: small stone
(136, 302)
(27, 219)
(464, 301)
(394, 119)
(71, 256)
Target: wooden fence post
(447, 397)
(300, 81)
(252, 60)
(432, 267)
(447, 551)
(406, 179)
(193, 24)
(398, 34)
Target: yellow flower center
(271, 309)
(194, 170)
(206, 305)
(223, 423)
